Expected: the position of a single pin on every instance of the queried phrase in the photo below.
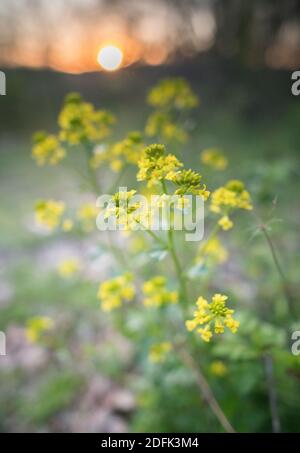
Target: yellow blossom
(81, 123)
(173, 93)
(232, 196)
(67, 225)
(155, 165)
(87, 214)
(160, 124)
(47, 149)
(205, 333)
(215, 316)
(218, 368)
(225, 223)
(112, 293)
(213, 157)
(156, 294)
(126, 151)
(124, 210)
(212, 251)
(48, 213)
(188, 182)
(68, 267)
(159, 351)
(37, 326)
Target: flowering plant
(170, 307)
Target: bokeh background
(238, 56)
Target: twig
(284, 284)
(205, 389)
(272, 394)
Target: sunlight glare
(110, 57)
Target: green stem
(91, 172)
(177, 265)
(178, 268)
(205, 388)
(284, 283)
(117, 181)
(153, 235)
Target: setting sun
(110, 57)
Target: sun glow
(110, 57)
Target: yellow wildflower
(214, 315)
(189, 182)
(205, 333)
(213, 251)
(121, 207)
(81, 123)
(155, 165)
(112, 293)
(218, 368)
(128, 150)
(225, 223)
(232, 196)
(47, 149)
(156, 293)
(87, 214)
(213, 157)
(37, 326)
(48, 213)
(68, 267)
(173, 93)
(159, 351)
(67, 225)
(161, 125)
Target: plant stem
(117, 181)
(272, 393)
(284, 283)
(177, 265)
(205, 389)
(91, 172)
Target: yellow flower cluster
(48, 213)
(228, 198)
(169, 97)
(173, 93)
(87, 214)
(67, 225)
(213, 157)
(81, 123)
(157, 294)
(155, 165)
(112, 293)
(160, 124)
(47, 149)
(121, 207)
(159, 351)
(68, 267)
(188, 182)
(128, 151)
(232, 196)
(213, 251)
(37, 326)
(218, 368)
(214, 313)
